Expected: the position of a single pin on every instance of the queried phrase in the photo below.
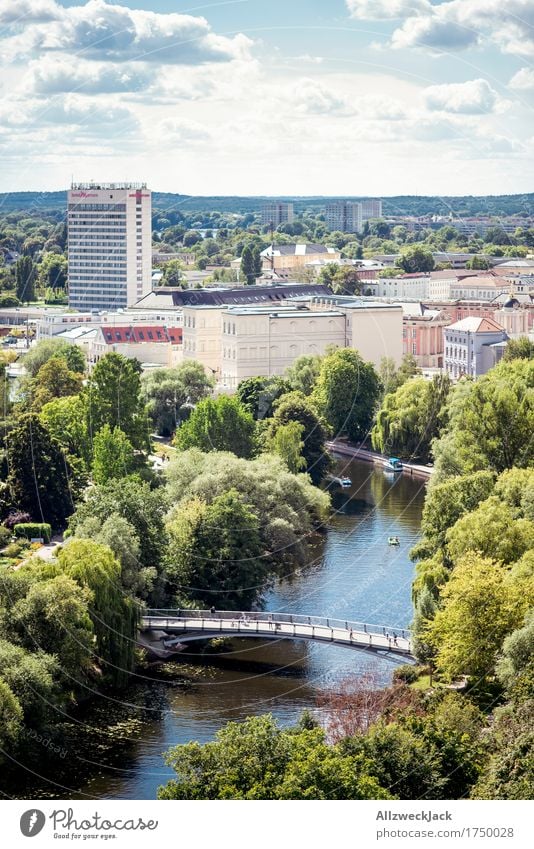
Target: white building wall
(110, 245)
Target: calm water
(354, 574)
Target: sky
(271, 97)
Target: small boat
(393, 541)
(343, 481)
(393, 464)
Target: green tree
(415, 259)
(302, 374)
(171, 391)
(66, 421)
(490, 422)
(510, 771)
(217, 555)
(53, 617)
(113, 613)
(296, 408)
(259, 394)
(517, 653)
(10, 718)
(287, 442)
(46, 349)
(480, 607)
(287, 506)
(142, 507)
(218, 424)
(54, 380)
(34, 679)
(173, 274)
(25, 276)
(519, 349)
(40, 476)
(493, 531)
(480, 263)
(121, 537)
(248, 265)
(113, 455)
(53, 271)
(411, 417)
(347, 392)
(114, 397)
(256, 759)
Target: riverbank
(358, 452)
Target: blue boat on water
(393, 464)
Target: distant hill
(498, 205)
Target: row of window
(98, 207)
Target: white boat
(342, 481)
(393, 464)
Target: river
(353, 574)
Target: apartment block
(275, 213)
(110, 244)
(345, 216)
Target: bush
(5, 536)
(14, 549)
(31, 530)
(16, 518)
(408, 674)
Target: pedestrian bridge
(172, 628)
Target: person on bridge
(212, 610)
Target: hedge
(32, 530)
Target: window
(414, 348)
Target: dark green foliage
(218, 424)
(26, 276)
(256, 759)
(29, 530)
(294, 407)
(114, 397)
(259, 394)
(215, 555)
(40, 477)
(346, 393)
(519, 349)
(171, 392)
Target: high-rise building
(110, 244)
(344, 215)
(371, 208)
(274, 213)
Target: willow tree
(113, 613)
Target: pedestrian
(212, 610)
(350, 635)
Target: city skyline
(357, 99)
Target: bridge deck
(187, 626)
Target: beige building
(235, 342)
(287, 257)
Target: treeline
(465, 205)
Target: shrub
(14, 549)
(16, 518)
(408, 674)
(31, 530)
(5, 536)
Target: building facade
(110, 244)
(344, 215)
(371, 208)
(472, 346)
(275, 213)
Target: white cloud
(379, 10)
(55, 74)
(459, 24)
(313, 98)
(523, 80)
(177, 130)
(102, 31)
(24, 11)
(474, 97)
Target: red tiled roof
(140, 335)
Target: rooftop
(297, 250)
(475, 324)
(139, 335)
(106, 186)
(166, 297)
